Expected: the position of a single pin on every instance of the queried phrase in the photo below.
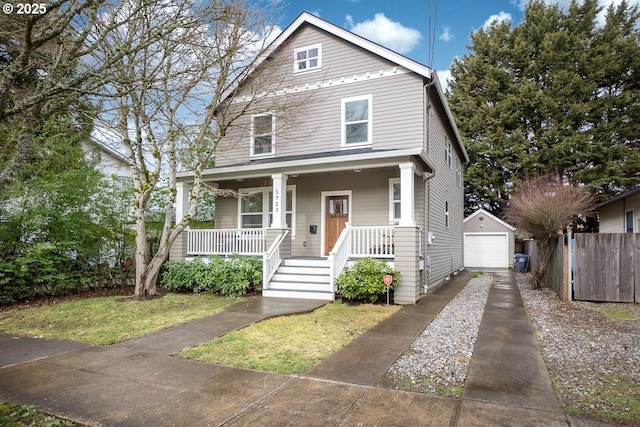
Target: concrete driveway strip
(366, 359)
(507, 371)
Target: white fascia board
(317, 164)
(493, 217)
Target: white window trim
(273, 136)
(343, 133)
(447, 150)
(266, 208)
(307, 48)
(392, 219)
(458, 172)
(626, 225)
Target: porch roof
(318, 163)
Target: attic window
(307, 58)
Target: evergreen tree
(557, 94)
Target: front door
(337, 215)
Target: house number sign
(276, 201)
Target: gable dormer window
(263, 135)
(307, 58)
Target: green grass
(108, 320)
(291, 344)
(619, 313)
(477, 274)
(612, 399)
(21, 415)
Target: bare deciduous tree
(544, 207)
(45, 65)
(171, 97)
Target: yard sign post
(388, 279)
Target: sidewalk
(139, 383)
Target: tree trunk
(545, 249)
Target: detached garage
(489, 242)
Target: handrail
(339, 255)
(271, 260)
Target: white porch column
(407, 171)
(182, 200)
(279, 207)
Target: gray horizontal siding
(446, 252)
(313, 125)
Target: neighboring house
(620, 214)
(110, 162)
(489, 242)
(371, 166)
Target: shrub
(364, 280)
(235, 276)
(44, 269)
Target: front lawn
(292, 344)
(108, 320)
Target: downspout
(426, 178)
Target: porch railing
(375, 242)
(271, 260)
(241, 241)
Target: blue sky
(404, 25)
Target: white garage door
(486, 250)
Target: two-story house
(368, 164)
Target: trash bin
(520, 263)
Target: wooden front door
(337, 215)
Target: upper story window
(263, 135)
(356, 121)
(458, 173)
(447, 151)
(307, 58)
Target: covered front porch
(307, 223)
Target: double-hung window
(458, 173)
(447, 151)
(394, 199)
(251, 209)
(307, 58)
(356, 121)
(263, 141)
(256, 207)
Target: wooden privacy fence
(607, 267)
(593, 267)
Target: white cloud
(499, 17)
(446, 34)
(386, 32)
(444, 76)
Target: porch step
(279, 293)
(301, 278)
(306, 262)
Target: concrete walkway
(139, 383)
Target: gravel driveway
(592, 350)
